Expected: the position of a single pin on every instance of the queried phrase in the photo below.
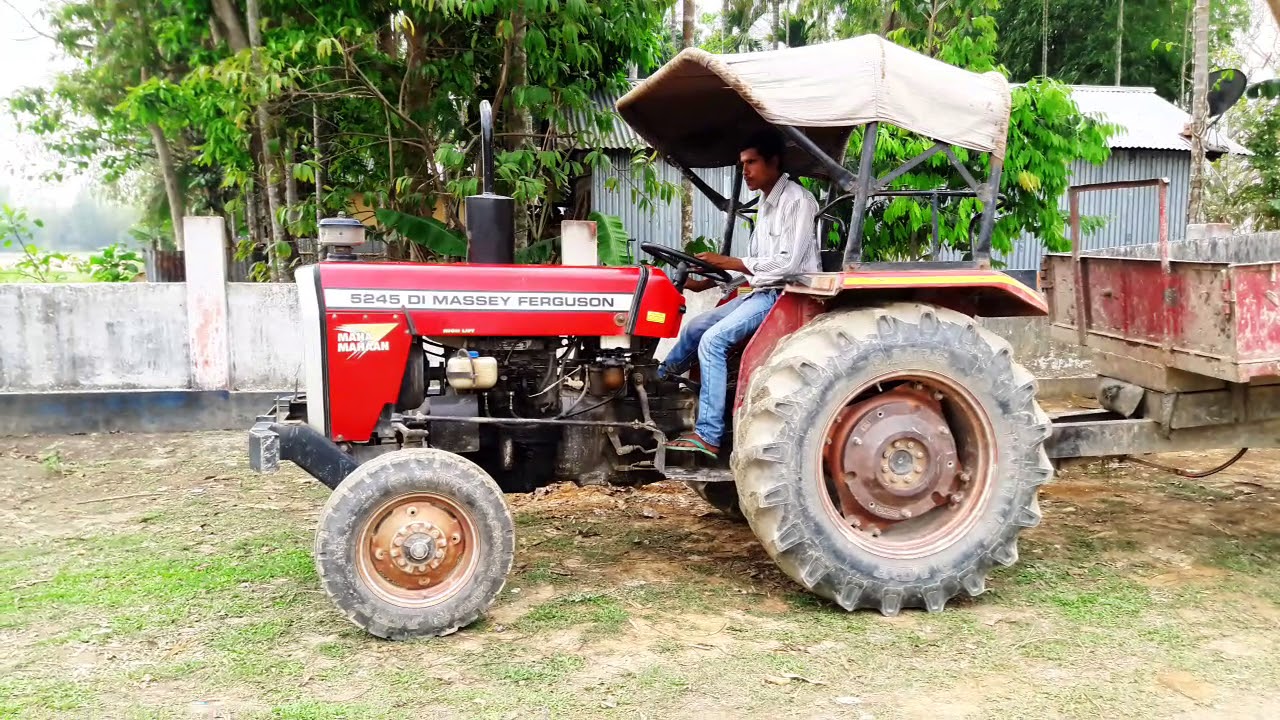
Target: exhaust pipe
(491, 227)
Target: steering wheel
(684, 265)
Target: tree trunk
(317, 142)
(777, 25)
(291, 200)
(270, 164)
(1044, 39)
(172, 187)
(229, 16)
(686, 195)
(1119, 43)
(253, 224)
(521, 120)
(1199, 111)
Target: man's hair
(766, 142)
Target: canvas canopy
(700, 107)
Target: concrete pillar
(207, 331)
(578, 243)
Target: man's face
(756, 171)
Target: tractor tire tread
(782, 407)
(402, 472)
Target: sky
(31, 59)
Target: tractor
(884, 447)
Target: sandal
(690, 442)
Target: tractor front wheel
(415, 543)
(888, 457)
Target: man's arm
(724, 262)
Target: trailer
(1185, 337)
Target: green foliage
(612, 242)
(394, 89)
(1245, 192)
(427, 232)
(700, 244)
(114, 263)
(16, 229)
(1082, 41)
(1047, 133)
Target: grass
(139, 609)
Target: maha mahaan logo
(360, 338)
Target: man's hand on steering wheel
(683, 265)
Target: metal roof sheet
(579, 124)
(1146, 120)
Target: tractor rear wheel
(415, 543)
(888, 457)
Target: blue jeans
(711, 335)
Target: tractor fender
(971, 291)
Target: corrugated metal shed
(1132, 216)
(619, 136)
(661, 223)
(1146, 120)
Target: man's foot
(690, 442)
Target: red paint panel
(1257, 300)
(513, 295)
(366, 354)
(790, 313)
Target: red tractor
(885, 448)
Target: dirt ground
(154, 576)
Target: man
(782, 245)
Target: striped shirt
(783, 243)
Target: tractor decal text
(477, 301)
(356, 339)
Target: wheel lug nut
(965, 476)
(857, 441)
(919, 453)
(906, 514)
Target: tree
(1199, 110)
(686, 196)
(1090, 42)
(1046, 134)
(245, 93)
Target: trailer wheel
(415, 543)
(888, 457)
(722, 496)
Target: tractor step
(698, 474)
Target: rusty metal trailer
(1186, 339)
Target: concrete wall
(100, 336)
(134, 336)
(266, 343)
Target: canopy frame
(864, 186)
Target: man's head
(761, 158)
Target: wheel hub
(892, 457)
(415, 546)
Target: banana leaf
(425, 231)
(612, 244)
